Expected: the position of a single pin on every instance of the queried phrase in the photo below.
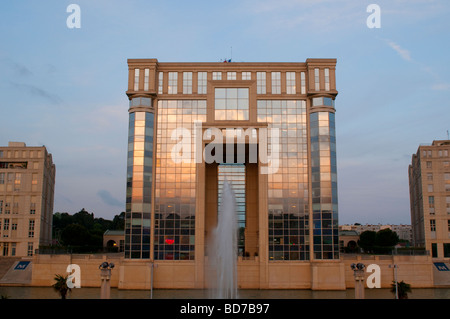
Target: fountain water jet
(223, 248)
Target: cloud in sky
(312, 16)
(108, 199)
(405, 54)
(441, 87)
(36, 91)
(18, 68)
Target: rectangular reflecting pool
(94, 293)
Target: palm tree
(402, 289)
(61, 285)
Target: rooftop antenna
(448, 137)
(226, 60)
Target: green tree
(386, 238)
(118, 222)
(84, 218)
(60, 285)
(61, 220)
(82, 231)
(403, 289)
(380, 242)
(367, 240)
(75, 235)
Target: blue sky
(65, 88)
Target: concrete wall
(45, 267)
(319, 275)
(414, 270)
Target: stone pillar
(105, 290)
(359, 274)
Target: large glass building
(268, 128)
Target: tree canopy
(386, 238)
(367, 240)
(82, 230)
(378, 242)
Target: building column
(323, 170)
(139, 178)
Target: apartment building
(429, 187)
(27, 181)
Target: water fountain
(223, 248)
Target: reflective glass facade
(324, 186)
(231, 104)
(288, 188)
(175, 189)
(139, 185)
(289, 214)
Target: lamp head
(360, 266)
(104, 265)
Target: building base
(418, 271)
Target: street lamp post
(152, 267)
(105, 276)
(395, 279)
(358, 272)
